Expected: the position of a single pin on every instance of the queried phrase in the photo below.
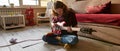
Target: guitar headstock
(87, 30)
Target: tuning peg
(87, 30)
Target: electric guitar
(107, 34)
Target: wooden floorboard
(7, 36)
(36, 32)
(3, 42)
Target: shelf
(43, 20)
(11, 15)
(8, 27)
(12, 21)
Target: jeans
(50, 40)
(65, 39)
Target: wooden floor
(36, 32)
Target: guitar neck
(83, 29)
(73, 28)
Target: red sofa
(109, 19)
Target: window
(36, 2)
(44, 2)
(30, 2)
(15, 2)
(4, 2)
(8, 2)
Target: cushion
(106, 9)
(94, 9)
(103, 8)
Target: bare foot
(67, 46)
(59, 38)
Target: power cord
(13, 41)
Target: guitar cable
(13, 41)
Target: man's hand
(58, 37)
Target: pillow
(106, 9)
(94, 9)
(103, 8)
